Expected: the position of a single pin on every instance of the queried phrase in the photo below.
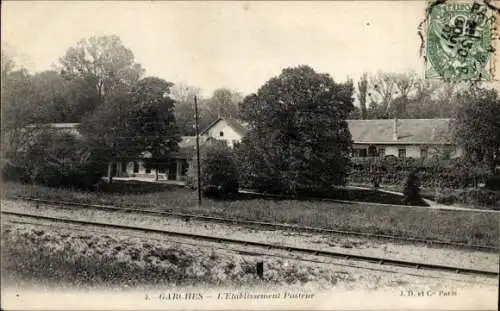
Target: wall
(413, 151)
(229, 133)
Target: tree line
(89, 75)
(122, 114)
(387, 95)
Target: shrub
(55, 159)
(15, 172)
(481, 197)
(432, 172)
(493, 183)
(218, 174)
(411, 189)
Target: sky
(237, 45)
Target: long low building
(403, 138)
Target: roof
(187, 146)
(409, 131)
(236, 125)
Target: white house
(229, 130)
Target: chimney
(395, 130)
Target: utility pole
(197, 149)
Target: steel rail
(371, 259)
(267, 253)
(264, 224)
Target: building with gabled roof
(412, 138)
(228, 130)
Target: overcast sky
(238, 45)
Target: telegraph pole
(197, 149)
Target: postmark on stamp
(461, 39)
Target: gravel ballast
(330, 242)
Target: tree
(391, 92)
(103, 73)
(17, 110)
(298, 138)
(50, 95)
(8, 64)
(411, 189)
(219, 171)
(154, 122)
(363, 94)
(224, 103)
(183, 95)
(405, 95)
(102, 64)
(477, 126)
(108, 131)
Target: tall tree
(362, 95)
(477, 125)
(405, 95)
(108, 131)
(17, 108)
(299, 138)
(50, 93)
(183, 95)
(154, 121)
(103, 63)
(390, 93)
(224, 103)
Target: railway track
(297, 250)
(269, 225)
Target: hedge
(431, 172)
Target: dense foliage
(218, 174)
(477, 126)
(298, 140)
(153, 121)
(432, 172)
(55, 159)
(411, 189)
(99, 85)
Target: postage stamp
(461, 41)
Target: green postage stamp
(462, 40)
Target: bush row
(431, 172)
(54, 159)
(470, 197)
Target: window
(402, 153)
(381, 152)
(148, 170)
(124, 167)
(136, 167)
(221, 134)
(362, 153)
(372, 151)
(423, 153)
